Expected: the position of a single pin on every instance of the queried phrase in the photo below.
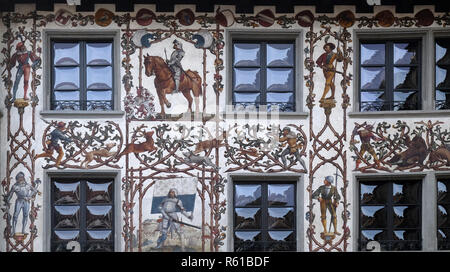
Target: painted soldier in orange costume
(22, 56)
(325, 61)
(366, 134)
(289, 138)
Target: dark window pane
(280, 54)
(442, 78)
(246, 79)
(405, 78)
(372, 54)
(406, 100)
(372, 78)
(281, 194)
(66, 78)
(99, 217)
(98, 53)
(280, 79)
(66, 193)
(281, 218)
(373, 193)
(406, 217)
(99, 192)
(246, 54)
(99, 78)
(66, 54)
(443, 216)
(373, 217)
(443, 194)
(100, 247)
(67, 217)
(443, 237)
(247, 218)
(406, 193)
(405, 53)
(247, 195)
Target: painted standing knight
(326, 62)
(328, 197)
(24, 192)
(169, 207)
(175, 63)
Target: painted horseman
(175, 63)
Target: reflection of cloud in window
(372, 78)
(67, 235)
(398, 189)
(67, 210)
(442, 187)
(246, 190)
(403, 53)
(279, 235)
(247, 213)
(246, 79)
(279, 212)
(247, 235)
(400, 210)
(442, 210)
(372, 54)
(67, 187)
(99, 210)
(98, 186)
(370, 210)
(370, 234)
(367, 189)
(280, 54)
(99, 234)
(246, 54)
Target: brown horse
(165, 83)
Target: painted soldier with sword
(328, 197)
(326, 62)
(169, 207)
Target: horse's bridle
(149, 62)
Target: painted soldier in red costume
(23, 58)
(366, 135)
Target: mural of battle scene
(173, 149)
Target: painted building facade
(224, 131)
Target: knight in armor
(22, 56)
(24, 192)
(169, 207)
(328, 197)
(175, 63)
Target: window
(264, 217)
(390, 213)
(442, 74)
(390, 75)
(82, 211)
(82, 75)
(443, 222)
(264, 74)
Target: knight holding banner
(175, 63)
(169, 207)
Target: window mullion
(263, 79)
(83, 76)
(389, 74)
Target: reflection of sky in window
(99, 95)
(442, 209)
(280, 77)
(67, 95)
(99, 186)
(99, 234)
(370, 210)
(279, 212)
(442, 234)
(67, 235)
(440, 75)
(371, 96)
(375, 51)
(67, 187)
(401, 53)
(398, 188)
(246, 52)
(247, 212)
(440, 52)
(370, 234)
(369, 74)
(245, 77)
(400, 234)
(280, 97)
(402, 96)
(98, 53)
(440, 95)
(277, 53)
(279, 235)
(99, 77)
(246, 97)
(66, 53)
(66, 78)
(99, 210)
(367, 189)
(442, 187)
(246, 235)
(247, 190)
(400, 210)
(279, 189)
(67, 210)
(400, 75)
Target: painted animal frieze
(87, 146)
(267, 149)
(400, 147)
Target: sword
(180, 222)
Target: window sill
(81, 114)
(398, 114)
(267, 115)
